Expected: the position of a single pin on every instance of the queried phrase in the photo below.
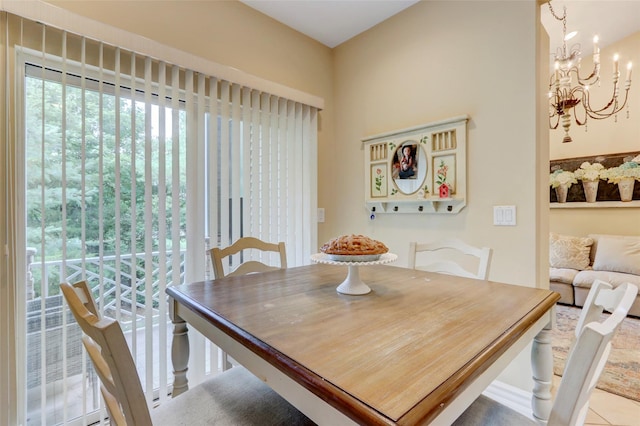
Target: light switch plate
(504, 215)
(320, 215)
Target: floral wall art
(420, 169)
(603, 178)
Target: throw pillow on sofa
(566, 251)
(618, 255)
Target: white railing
(101, 271)
(98, 271)
(52, 330)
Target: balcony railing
(119, 286)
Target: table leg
(179, 352)
(542, 366)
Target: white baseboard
(511, 396)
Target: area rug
(621, 375)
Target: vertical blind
(134, 167)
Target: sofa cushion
(585, 279)
(569, 252)
(596, 238)
(562, 275)
(618, 255)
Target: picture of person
(408, 164)
(395, 169)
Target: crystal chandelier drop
(565, 96)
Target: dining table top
(397, 355)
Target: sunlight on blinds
(134, 168)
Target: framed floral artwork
(420, 169)
(444, 172)
(379, 180)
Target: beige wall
(603, 137)
(435, 60)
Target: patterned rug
(621, 375)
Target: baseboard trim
(511, 396)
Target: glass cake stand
(353, 285)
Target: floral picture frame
(379, 180)
(435, 147)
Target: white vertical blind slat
(293, 182)
(133, 225)
(42, 361)
(246, 160)
(310, 175)
(212, 163)
(194, 265)
(162, 231)
(118, 187)
(225, 214)
(195, 241)
(299, 161)
(64, 203)
(265, 169)
(283, 215)
(309, 212)
(255, 184)
(236, 149)
(101, 171)
(274, 161)
(148, 232)
(175, 175)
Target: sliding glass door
(130, 168)
(105, 202)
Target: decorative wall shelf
(596, 205)
(421, 169)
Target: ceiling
(610, 20)
(332, 22)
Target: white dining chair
(585, 363)
(232, 398)
(433, 261)
(241, 247)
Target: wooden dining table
(418, 349)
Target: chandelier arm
(592, 79)
(602, 112)
(577, 120)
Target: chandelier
(569, 91)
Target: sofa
(575, 262)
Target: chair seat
(485, 411)
(234, 398)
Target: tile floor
(609, 409)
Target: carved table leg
(179, 352)
(542, 366)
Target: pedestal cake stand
(353, 285)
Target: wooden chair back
(106, 345)
(250, 266)
(451, 267)
(590, 351)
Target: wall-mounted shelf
(596, 205)
(421, 169)
(426, 205)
